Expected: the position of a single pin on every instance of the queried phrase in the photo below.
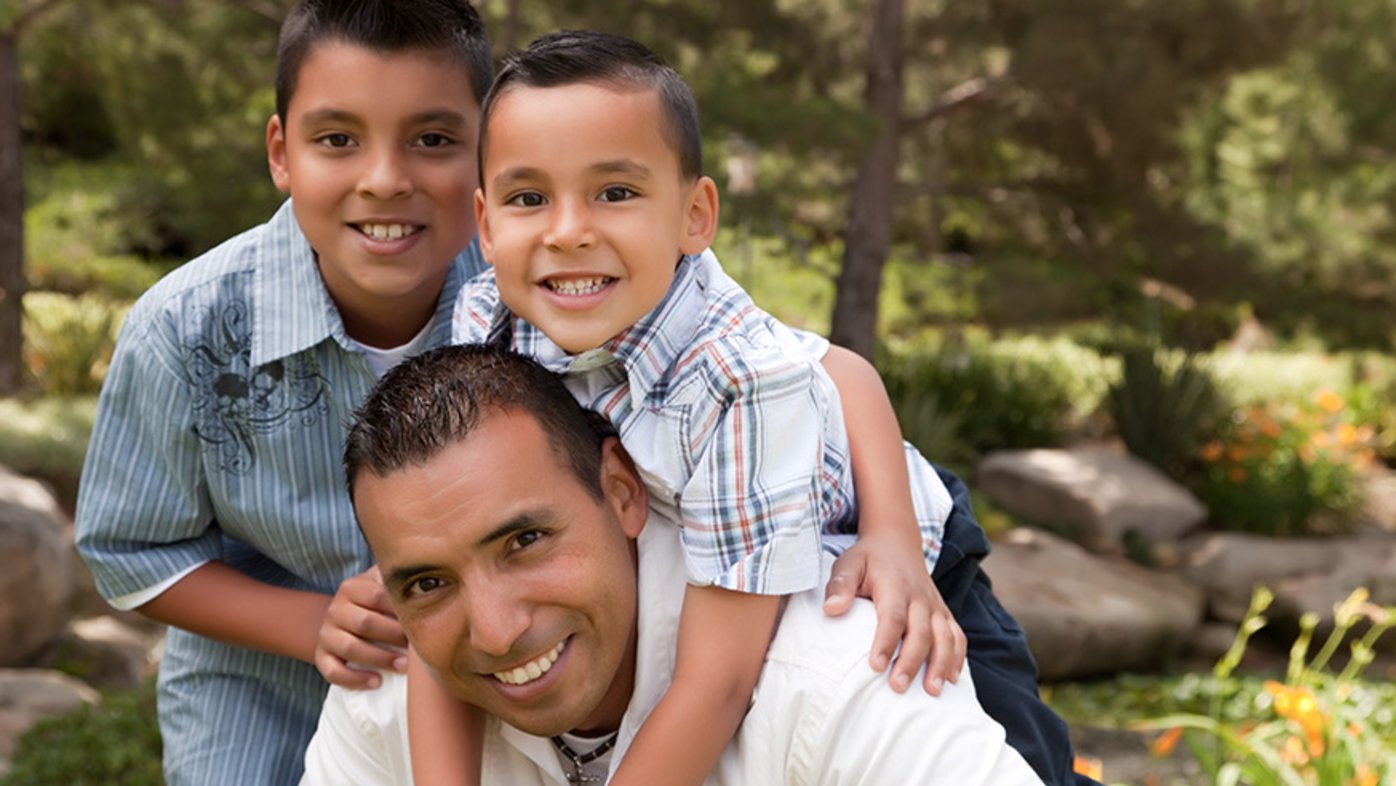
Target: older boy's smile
(388, 231)
(585, 236)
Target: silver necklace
(577, 775)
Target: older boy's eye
(335, 140)
(617, 194)
(525, 199)
(422, 586)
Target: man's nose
(570, 228)
(386, 175)
(497, 618)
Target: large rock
(1094, 494)
(1229, 565)
(1368, 562)
(27, 696)
(108, 651)
(1088, 615)
(36, 569)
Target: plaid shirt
(731, 419)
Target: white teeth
(578, 286)
(387, 231)
(532, 670)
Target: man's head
(502, 516)
(591, 184)
(374, 138)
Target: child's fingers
(891, 625)
(947, 654)
(917, 646)
(337, 672)
(845, 578)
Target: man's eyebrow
(521, 522)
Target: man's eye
(526, 199)
(617, 193)
(335, 140)
(526, 538)
(422, 586)
(434, 140)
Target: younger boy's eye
(617, 193)
(336, 140)
(434, 140)
(422, 586)
(525, 199)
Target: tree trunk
(869, 234)
(11, 219)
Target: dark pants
(1005, 675)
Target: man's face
(585, 212)
(378, 155)
(515, 585)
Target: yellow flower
(1090, 767)
(1347, 434)
(1164, 744)
(1365, 776)
(1328, 401)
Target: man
(516, 542)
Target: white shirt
(819, 717)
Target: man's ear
(623, 489)
(276, 154)
(700, 217)
(482, 227)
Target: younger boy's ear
(700, 220)
(482, 227)
(276, 154)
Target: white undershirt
(380, 361)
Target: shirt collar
(647, 349)
(292, 309)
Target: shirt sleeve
(750, 512)
(362, 738)
(143, 513)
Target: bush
(1009, 393)
(1162, 406)
(48, 439)
(1274, 466)
(69, 340)
(116, 743)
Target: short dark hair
(384, 26)
(570, 57)
(435, 400)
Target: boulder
(1096, 495)
(27, 696)
(107, 652)
(36, 569)
(1229, 565)
(1368, 562)
(1087, 615)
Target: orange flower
(1164, 744)
(1211, 452)
(1328, 401)
(1090, 767)
(1347, 434)
(1236, 453)
(1298, 704)
(1236, 475)
(1365, 776)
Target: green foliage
(1011, 393)
(1274, 467)
(69, 340)
(1162, 406)
(116, 743)
(47, 438)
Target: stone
(27, 696)
(1229, 565)
(1087, 615)
(1368, 562)
(36, 569)
(1098, 496)
(108, 652)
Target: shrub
(47, 439)
(1162, 406)
(1274, 466)
(1317, 728)
(69, 340)
(116, 743)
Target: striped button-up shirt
(731, 419)
(219, 436)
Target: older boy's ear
(276, 154)
(701, 218)
(622, 488)
(482, 227)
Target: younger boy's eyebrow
(621, 166)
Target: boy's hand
(361, 629)
(909, 610)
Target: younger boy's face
(378, 154)
(584, 211)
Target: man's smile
(522, 675)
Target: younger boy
(213, 495)
(594, 212)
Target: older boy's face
(516, 586)
(378, 154)
(584, 212)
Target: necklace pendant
(579, 778)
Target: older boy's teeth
(532, 670)
(578, 286)
(387, 231)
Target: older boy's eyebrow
(518, 174)
(332, 116)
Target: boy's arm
(723, 637)
(445, 734)
(887, 563)
(222, 603)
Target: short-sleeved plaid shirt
(731, 419)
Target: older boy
(213, 497)
(594, 212)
